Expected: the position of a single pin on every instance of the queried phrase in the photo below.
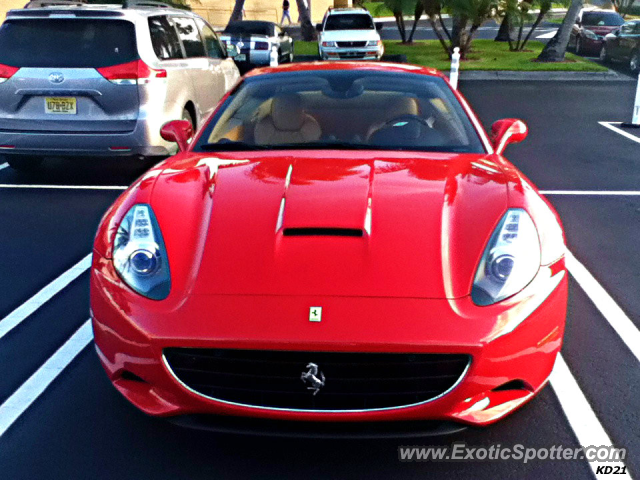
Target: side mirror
(617, 33)
(177, 131)
(319, 27)
(379, 26)
(506, 131)
(232, 51)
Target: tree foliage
(398, 8)
(517, 14)
(622, 6)
(468, 16)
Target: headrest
(402, 106)
(287, 113)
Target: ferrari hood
(377, 224)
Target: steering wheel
(403, 129)
(404, 120)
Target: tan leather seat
(287, 123)
(397, 107)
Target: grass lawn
(484, 55)
(378, 9)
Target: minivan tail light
(136, 72)
(6, 72)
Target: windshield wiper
(326, 145)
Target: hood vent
(323, 232)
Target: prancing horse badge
(315, 314)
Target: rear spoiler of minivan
(82, 3)
(55, 3)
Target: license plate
(60, 105)
(241, 57)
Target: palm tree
(306, 27)
(236, 15)
(556, 48)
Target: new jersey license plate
(60, 105)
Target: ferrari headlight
(510, 260)
(139, 255)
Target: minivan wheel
(634, 61)
(24, 164)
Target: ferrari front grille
(316, 381)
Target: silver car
(102, 80)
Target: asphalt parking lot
(80, 427)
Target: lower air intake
(351, 381)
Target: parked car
(623, 45)
(368, 256)
(254, 41)
(349, 34)
(83, 80)
(587, 35)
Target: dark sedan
(623, 45)
(587, 35)
(257, 43)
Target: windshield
(602, 19)
(248, 28)
(349, 22)
(70, 43)
(342, 109)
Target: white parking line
(581, 417)
(610, 126)
(548, 35)
(16, 317)
(609, 309)
(66, 187)
(30, 390)
(3, 165)
(591, 192)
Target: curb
(502, 75)
(556, 11)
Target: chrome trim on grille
(310, 410)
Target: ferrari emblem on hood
(315, 314)
(311, 379)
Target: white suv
(349, 34)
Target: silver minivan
(82, 80)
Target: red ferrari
(339, 244)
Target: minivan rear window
(67, 43)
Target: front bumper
(365, 53)
(144, 140)
(513, 345)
